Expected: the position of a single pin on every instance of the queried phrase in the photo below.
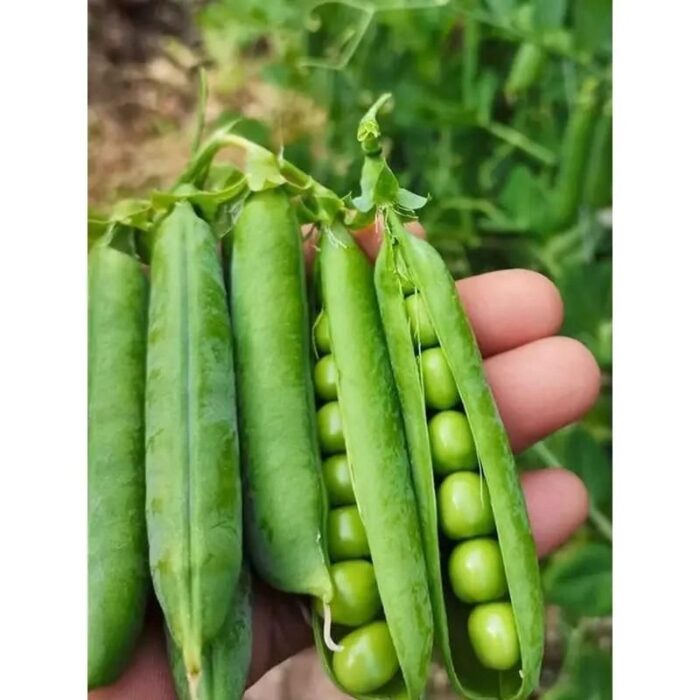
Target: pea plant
(504, 117)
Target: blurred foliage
(502, 114)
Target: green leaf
(132, 212)
(522, 196)
(593, 26)
(96, 229)
(599, 419)
(410, 200)
(378, 185)
(579, 579)
(584, 456)
(549, 14)
(262, 170)
(586, 673)
(486, 87)
(502, 8)
(587, 294)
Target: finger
(368, 238)
(557, 505)
(280, 629)
(509, 308)
(148, 675)
(542, 386)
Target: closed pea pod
(384, 658)
(574, 157)
(117, 548)
(226, 659)
(284, 499)
(192, 480)
(489, 652)
(598, 186)
(528, 62)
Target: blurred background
(502, 114)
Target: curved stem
(202, 97)
(201, 161)
(290, 172)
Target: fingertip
(551, 302)
(509, 308)
(586, 374)
(416, 229)
(557, 505)
(369, 239)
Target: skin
(541, 383)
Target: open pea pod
(284, 506)
(400, 630)
(118, 582)
(407, 264)
(226, 659)
(193, 500)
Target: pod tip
(193, 684)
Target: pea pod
(117, 550)
(472, 659)
(598, 186)
(192, 482)
(526, 69)
(381, 480)
(574, 157)
(226, 659)
(284, 504)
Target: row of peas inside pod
(356, 603)
(474, 562)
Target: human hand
(541, 383)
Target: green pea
(476, 571)
(326, 378)
(336, 477)
(464, 506)
(422, 330)
(493, 635)
(330, 428)
(438, 382)
(356, 596)
(367, 660)
(347, 538)
(451, 442)
(322, 334)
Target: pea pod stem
(288, 172)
